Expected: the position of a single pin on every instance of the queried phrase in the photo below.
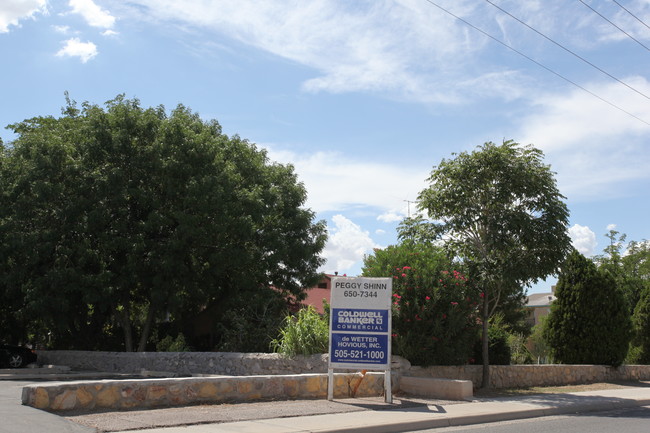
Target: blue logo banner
(359, 349)
(357, 320)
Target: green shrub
(537, 344)
(305, 333)
(589, 321)
(434, 317)
(519, 353)
(641, 322)
(170, 344)
(498, 348)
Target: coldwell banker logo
(360, 320)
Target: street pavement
(16, 418)
(347, 415)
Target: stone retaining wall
(186, 363)
(513, 376)
(246, 364)
(148, 393)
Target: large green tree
(589, 321)
(113, 217)
(502, 213)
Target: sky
(364, 98)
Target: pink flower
(428, 298)
(454, 303)
(403, 275)
(406, 267)
(482, 295)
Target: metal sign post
(360, 328)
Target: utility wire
(536, 62)
(628, 11)
(569, 51)
(607, 19)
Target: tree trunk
(123, 316)
(485, 383)
(146, 328)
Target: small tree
(537, 344)
(502, 213)
(589, 322)
(629, 264)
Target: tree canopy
(120, 215)
(501, 211)
(629, 265)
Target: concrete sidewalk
(375, 417)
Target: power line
(607, 19)
(535, 61)
(569, 51)
(628, 11)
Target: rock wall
(518, 376)
(186, 363)
(253, 364)
(83, 396)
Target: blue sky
(365, 97)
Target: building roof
(540, 299)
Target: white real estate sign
(360, 325)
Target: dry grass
(509, 392)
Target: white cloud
(380, 232)
(593, 147)
(337, 183)
(62, 29)
(75, 48)
(12, 11)
(411, 50)
(391, 217)
(405, 48)
(94, 15)
(583, 239)
(346, 245)
(611, 227)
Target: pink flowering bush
(435, 308)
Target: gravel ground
(511, 392)
(191, 415)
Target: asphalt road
(628, 420)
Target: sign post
(360, 328)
